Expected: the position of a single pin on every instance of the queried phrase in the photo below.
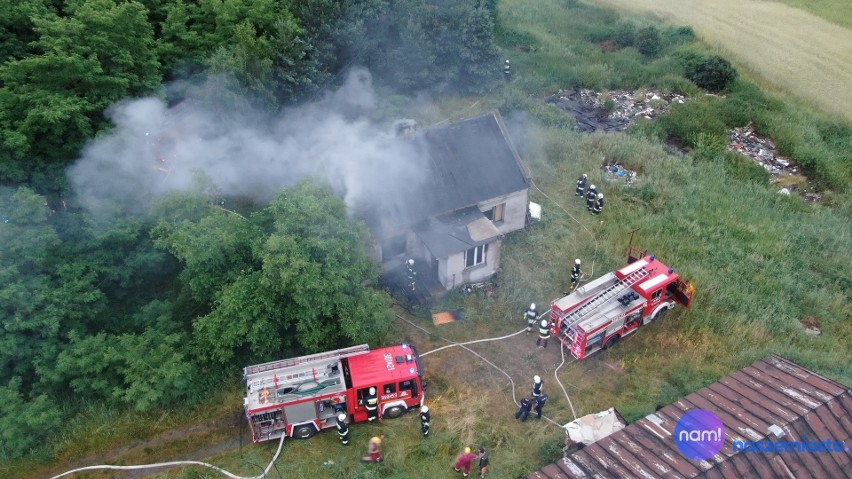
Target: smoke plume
(154, 150)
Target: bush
(679, 35)
(625, 35)
(713, 74)
(648, 42)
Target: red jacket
(465, 461)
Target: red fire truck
(299, 397)
(596, 315)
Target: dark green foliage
(50, 103)
(712, 73)
(288, 278)
(434, 45)
(625, 35)
(24, 420)
(648, 41)
(679, 35)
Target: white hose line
(462, 345)
(555, 375)
(180, 463)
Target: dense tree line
(144, 311)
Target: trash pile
(762, 150)
(612, 110)
(613, 171)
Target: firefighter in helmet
(575, 273)
(581, 185)
(543, 333)
(539, 405)
(507, 70)
(425, 419)
(599, 205)
(343, 429)
(531, 316)
(591, 196)
(536, 389)
(371, 402)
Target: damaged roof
(456, 231)
(470, 161)
(772, 391)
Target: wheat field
(788, 48)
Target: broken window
(475, 255)
(495, 214)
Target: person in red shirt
(464, 462)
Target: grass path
(789, 48)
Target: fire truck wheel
(661, 313)
(610, 342)
(304, 431)
(394, 412)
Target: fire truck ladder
(617, 288)
(301, 375)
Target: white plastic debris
(535, 211)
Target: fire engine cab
(596, 315)
(300, 396)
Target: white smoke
(154, 150)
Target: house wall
(452, 273)
(515, 212)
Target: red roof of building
(772, 391)
(382, 366)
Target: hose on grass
(263, 475)
(464, 346)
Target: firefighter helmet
(543, 323)
(537, 378)
(424, 409)
(372, 391)
(341, 417)
(376, 440)
(585, 175)
(600, 196)
(410, 262)
(507, 62)
(532, 306)
(467, 450)
(577, 261)
(592, 187)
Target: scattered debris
(613, 110)
(782, 170)
(811, 325)
(613, 171)
(535, 211)
(447, 317)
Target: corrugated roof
(772, 391)
(448, 234)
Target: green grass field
(835, 11)
(805, 55)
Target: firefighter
(412, 275)
(374, 450)
(483, 462)
(536, 390)
(539, 405)
(591, 196)
(575, 273)
(507, 70)
(599, 205)
(531, 317)
(543, 334)
(524, 409)
(581, 185)
(425, 419)
(343, 429)
(372, 404)
(464, 462)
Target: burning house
(475, 192)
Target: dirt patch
(608, 46)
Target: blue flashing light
(671, 270)
(653, 257)
(404, 345)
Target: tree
(712, 73)
(289, 278)
(52, 102)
